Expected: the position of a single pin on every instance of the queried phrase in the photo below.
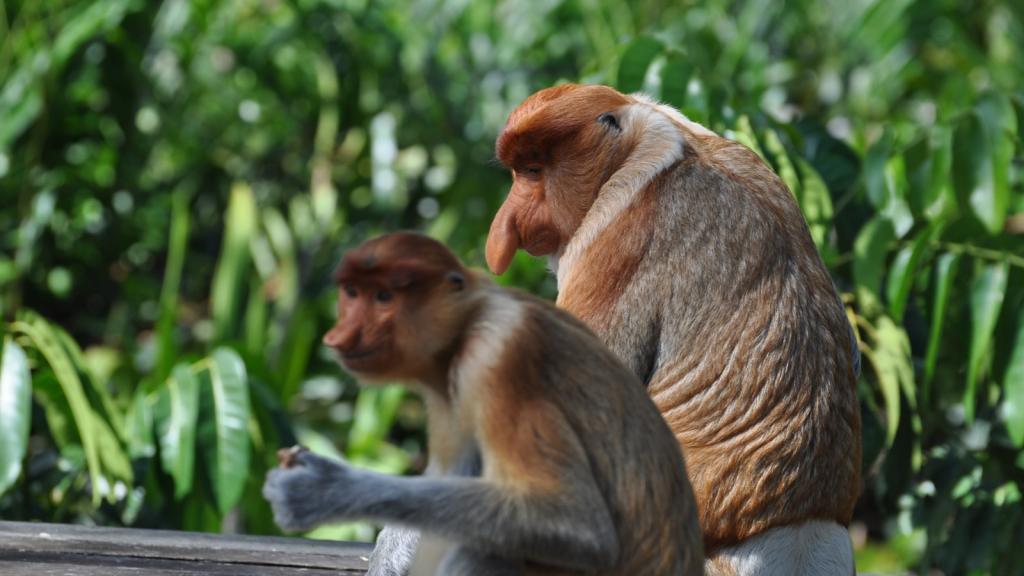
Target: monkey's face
(397, 296)
(562, 144)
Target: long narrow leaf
(869, 252)
(1013, 388)
(231, 274)
(230, 386)
(47, 342)
(177, 245)
(945, 272)
(987, 292)
(816, 204)
(15, 411)
(904, 269)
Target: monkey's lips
(356, 361)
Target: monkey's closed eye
(384, 296)
(610, 120)
(533, 170)
(350, 291)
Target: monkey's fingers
(286, 456)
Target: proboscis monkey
(690, 259)
(547, 457)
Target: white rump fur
(656, 128)
(813, 548)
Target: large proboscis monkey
(690, 259)
(546, 455)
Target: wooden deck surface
(33, 549)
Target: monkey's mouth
(354, 356)
(544, 245)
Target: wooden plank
(27, 547)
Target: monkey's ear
(610, 120)
(458, 280)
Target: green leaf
(890, 358)
(15, 411)
(233, 265)
(816, 204)
(166, 343)
(112, 454)
(48, 343)
(980, 170)
(635, 61)
(675, 80)
(783, 165)
(1013, 388)
(987, 292)
(869, 252)
(744, 134)
(904, 269)
(945, 272)
(139, 426)
(372, 418)
(874, 169)
(177, 414)
(228, 458)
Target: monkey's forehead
(396, 259)
(554, 114)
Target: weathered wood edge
(191, 546)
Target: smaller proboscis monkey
(546, 455)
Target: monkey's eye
(350, 291)
(533, 170)
(384, 296)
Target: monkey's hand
(309, 491)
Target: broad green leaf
(783, 165)
(177, 413)
(635, 61)
(940, 199)
(987, 292)
(945, 272)
(978, 155)
(15, 410)
(904, 269)
(816, 204)
(1013, 388)
(869, 252)
(177, 247)
(675, 79)
(48, 343)
(228, 461)
(233, 265)
(874, 169)
(139, 426)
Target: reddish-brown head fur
(562, 144)
(385, 284)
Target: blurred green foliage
(178, 179)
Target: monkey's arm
(572, 528)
